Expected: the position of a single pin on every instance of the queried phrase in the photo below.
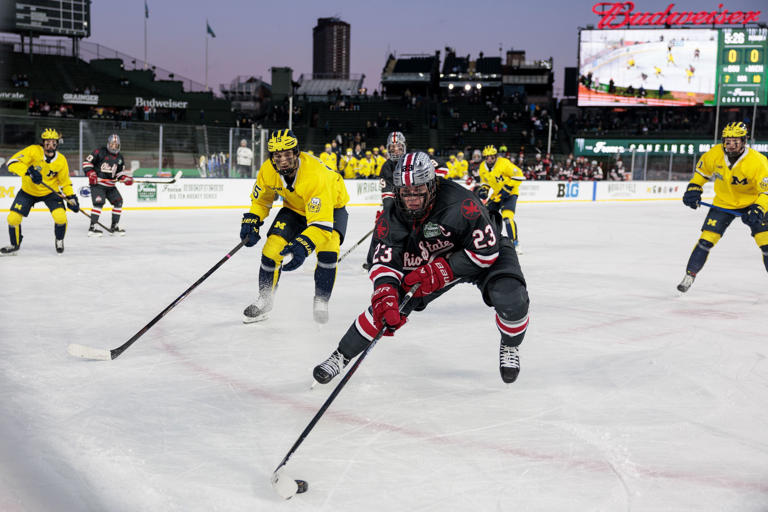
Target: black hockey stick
(78, 350)
(81, 210)
(346, 253)
(288, 487)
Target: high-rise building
(330, 49)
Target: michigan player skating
(741, 184)
(504, 179)
(437, 235)
(313, 218)
(105, 168)
(41, 166)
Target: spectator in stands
(244, 160)
(329, 158)
(461, 165)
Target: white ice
(631, 396)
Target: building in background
(330, 49)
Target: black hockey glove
(34, 174)
(296, 252)
(249, 229)
(692, 196)
(72, 203)
(754, 215)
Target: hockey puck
(303, 486)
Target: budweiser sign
(623, 15)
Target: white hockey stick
(159, 180)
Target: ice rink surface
(631, 397)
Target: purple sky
(253, 36)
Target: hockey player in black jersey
(438, 234)
(104, 168)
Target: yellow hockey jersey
(329, 159)
(737, 186)
(55, 173)
(461, 167)
(504, 176)
(315, 192)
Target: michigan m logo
(279, 225)
(737, 181)
(7, 192)
(712, 222)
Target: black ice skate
(509, 363)
(320, 310)
(686, 282)
(10, 250)
(331, 367)
(258, 311)
(117, 230)
(94, 231)
(59, 246)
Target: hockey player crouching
(313, 218)
(105, 167)
(464, 244)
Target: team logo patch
(764, 184)
(431, 230)
(313, 205)
(382, 228)
(469, 209)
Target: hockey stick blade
(98, 354)
(162, 181)
(286, 486)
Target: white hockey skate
(320, 310)
(686, 283)
(258, 311)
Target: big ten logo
(568, 189)
(7, 192)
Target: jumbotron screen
(669, 67)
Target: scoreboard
(741, 66)
(71, 18)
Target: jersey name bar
(615, 15)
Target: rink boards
(229, 193)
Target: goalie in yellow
(741, 189)
(40, 166)
(313, 219)
(503, 179)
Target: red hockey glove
(128, 180)
(92, 178)
(385, 304)
(432, 277)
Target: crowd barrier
(224, 193)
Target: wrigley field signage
(623, 15)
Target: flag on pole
(208, 29)
(146, 9)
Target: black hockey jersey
(387, 184)
(458, 228)
(109, 168)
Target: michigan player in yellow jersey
(741, 189)
(329, 158)
(313, 218)
(504, 179)
(40, 165)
